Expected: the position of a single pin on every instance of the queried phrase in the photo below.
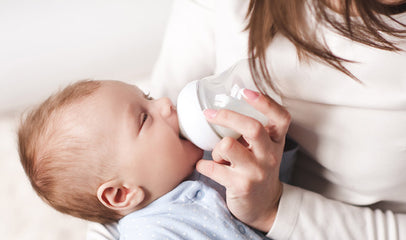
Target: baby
(106, 152)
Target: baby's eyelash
(144, 117)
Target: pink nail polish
(249, 94)
(210, 113)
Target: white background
(45, 44)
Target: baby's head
(99, 150)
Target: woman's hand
(249, 168)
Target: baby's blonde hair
(62, 165)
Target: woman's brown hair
(290, 18)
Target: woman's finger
(251, 129)
(233, 152)
(279, 117)
(232, 164)
(218, 172)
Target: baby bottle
(215, 92)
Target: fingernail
(249, 94)
(210, 113)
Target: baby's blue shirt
(193, 210)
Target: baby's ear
(115, 196)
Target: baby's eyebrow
(147, 96)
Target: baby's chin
(195, 152)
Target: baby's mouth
(182, 137)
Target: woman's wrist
(265, 223)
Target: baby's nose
(167, 108)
